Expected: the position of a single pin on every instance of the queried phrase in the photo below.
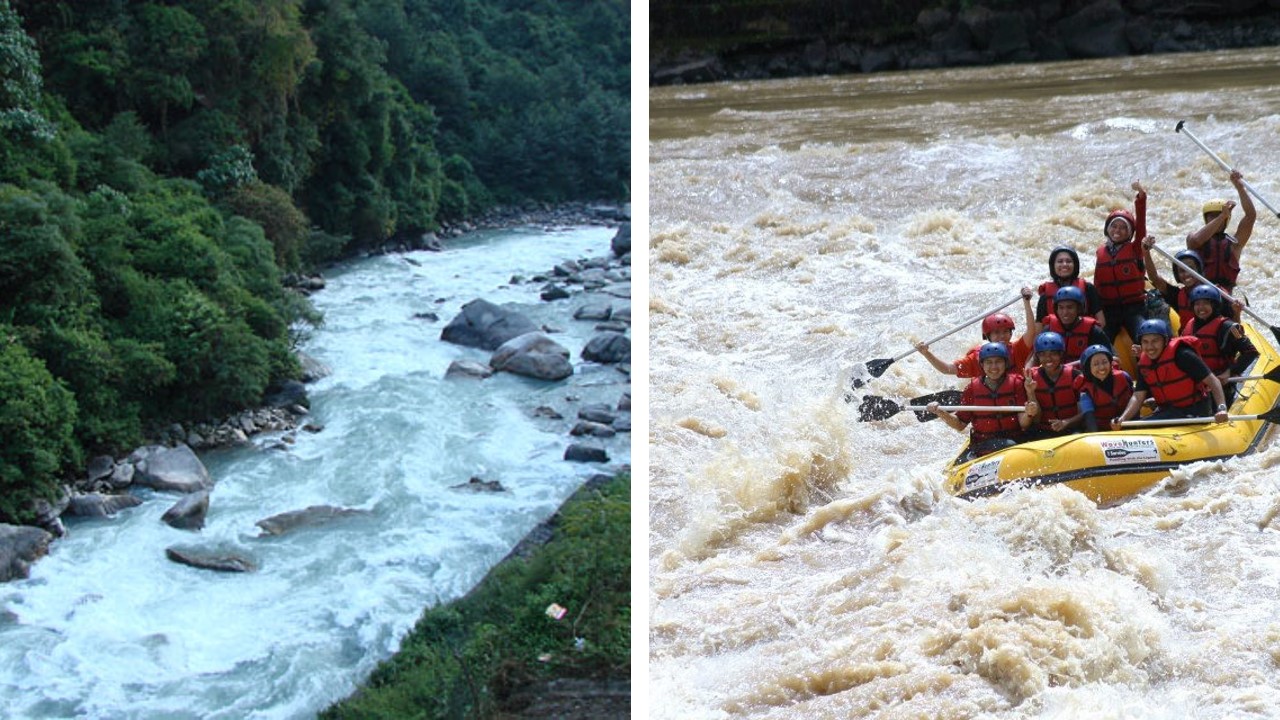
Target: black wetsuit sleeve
(1190, 362)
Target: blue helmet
(993, 349)
(1187, 257)
(1205, 292)
(1089, 352)
(1050, 340)
(1154, 327)
(1070, 293)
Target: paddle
(1273, 375)
(877, 367)
(874, 407)
(1274, 330)
(1272, 415)
(1181, 127)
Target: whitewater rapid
(806, 565)
(106, 627)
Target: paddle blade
(874, 407)
(877, 367)
(1272, 415)
(945, 397)
(924, 415)
(1275, 330)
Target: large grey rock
(100, 505)
(608, 347)
(189, 512)
(468, 369)
(533, 355)
(21, 545)
(621, 243)
(290, 393)
(594, 311)
(307, 517)
(218, 560)
(485, 325)
(174, 469)
(100, 466)
(585, 453)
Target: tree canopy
(162, 165)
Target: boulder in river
(485, 325)
(219, 560)
(608, 347)
(175, 469)
(621, 243)
(533, 355)
(476, 484)
(578, 452)
(189, 512)
(21, 545)
(468, 369)
(307, 517)
(100, 504)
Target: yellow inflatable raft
(1110, 466)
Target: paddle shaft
(971, 408)
(1181, 127)
(1186, 421)
(961, 326)
(1205, 280)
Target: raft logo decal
(1128, 451)
(982, 474)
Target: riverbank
(716, 41)
(104, 487)
(546, 634)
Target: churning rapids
(805, 565)
(106, 627)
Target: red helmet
(998, 321)
(1122, 213)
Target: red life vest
(1220, 267)
(1110, 397)
(1168, 384)
(1057, 398)
(1210, 335)
(1076, 338)
(1049, 289)
(1183, 306)
(1120, 279)
(988, 426)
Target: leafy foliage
(461, 658)
(161, 163)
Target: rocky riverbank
(709, 41)
(585, 288)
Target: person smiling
(1172, 372)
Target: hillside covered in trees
(163, 164)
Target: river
(805, 565)
(106, 627)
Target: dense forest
(163, 164)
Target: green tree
(37, 416)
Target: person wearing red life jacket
(1077, 332)
(1171, 371)
(998, 328)
(1064, 271)
(1104, 388)
(1176, 293)
(1220, 249)
(1118, 271)
(1054, 387)
(1224, 347)
(999, 386)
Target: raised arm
(1029, 337)
(942, 367)
(1245, 229)
(1153, 275)
(1197, 239)
(1140, 209)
